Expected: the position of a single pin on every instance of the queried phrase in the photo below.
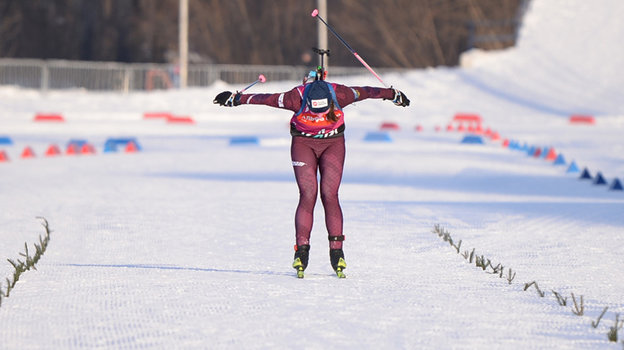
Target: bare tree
(390, 33)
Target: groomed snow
(188, 243)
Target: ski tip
(315, 13)
(262, 78)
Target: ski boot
(302, 253)
(336, 257)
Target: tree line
(388, 33)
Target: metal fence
(59, 74)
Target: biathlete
(318, 145)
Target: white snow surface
(188, 243)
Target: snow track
(169, 251)
(188, 244)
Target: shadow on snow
(181, 268)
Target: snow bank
(569, 57)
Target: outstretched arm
(290, 100)
(350, 94)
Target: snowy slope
(188, 244)
(568, 60)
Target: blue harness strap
(334, 98)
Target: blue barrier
(616, 185)
(244, 140)
(377, 136)
(600, 179)
(5, 140)
(585, 175)
(78, 143)
(472, 139)
(573, 168)
(111, 144)
(544, 153)
(548, 153)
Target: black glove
(227, 98)
(400, 99)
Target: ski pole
(315, 13)
(261, 79)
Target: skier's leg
(305, 165)
(331, 164)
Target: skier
(317, 129)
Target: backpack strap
(334, 98)
(304, 98)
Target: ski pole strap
(336, 238)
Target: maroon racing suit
(317, 150)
